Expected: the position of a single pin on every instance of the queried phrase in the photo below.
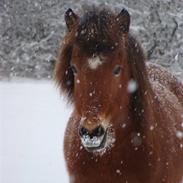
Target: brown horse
(127, 123)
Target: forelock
(96, 31)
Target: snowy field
(32, 123)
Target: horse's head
(94, 72)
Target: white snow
(32, 124)
(151, 128)
(91, 142)
(118, 171)
(123, 125)
(77, 81)
(132, 86)
(90, 94)
(179, 134)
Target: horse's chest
(109, 168)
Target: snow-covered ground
(32, 122)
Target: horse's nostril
(83, 131)
(99, 131)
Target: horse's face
(97, 83)
(100, 94)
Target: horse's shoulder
(164, 82)
(167, 88)
(160, 74)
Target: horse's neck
(141, 102)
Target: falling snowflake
(151, 128)
(179, 134)
(77, 81)
(118, 171)
(132, 86)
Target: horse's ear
(123, 19)
(70, 19)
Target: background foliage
(31, 32)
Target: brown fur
(157, 102)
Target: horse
(127, 119)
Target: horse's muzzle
(94, 139)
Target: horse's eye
(117, 70)
(74, 70)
